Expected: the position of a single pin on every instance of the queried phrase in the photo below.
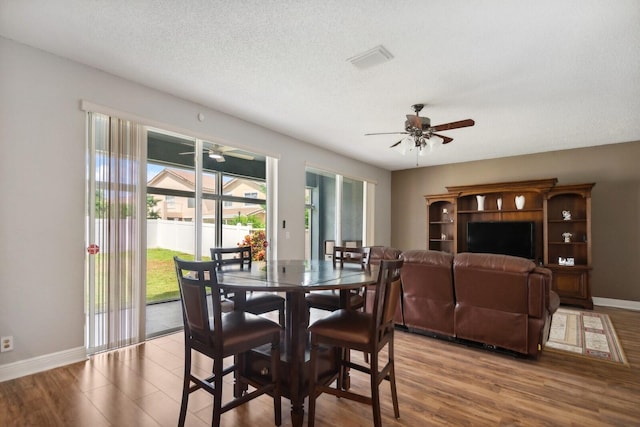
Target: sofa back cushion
(377, 253)
(427, 291)
(498, 282)
(492, 299)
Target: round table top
(296, 276)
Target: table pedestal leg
(239, 299)
(297, 324)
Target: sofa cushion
(495, 262)
(427, 286)
(377, 253)
(500, 300)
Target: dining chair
(256, 302)
(352, 255)
(330, 300)
(219, 335)
(377, 254)
(361, 331)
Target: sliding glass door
(335, 212)
(200, 200)
(153, 195)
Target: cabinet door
(572, 286)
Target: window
(252, 195)
(170, 203)
(334, 211)
(228, 203)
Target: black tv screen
(515, 238)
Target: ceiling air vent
(370, 58)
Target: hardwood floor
(439, 383)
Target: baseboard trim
(34, 365)
(617, 303)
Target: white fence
(180, 235)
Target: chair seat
(240, 327)
(330, 301)
(345, 325)
(264, 302)
(263, 298)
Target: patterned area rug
(585, 333)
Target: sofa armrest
(540, 293)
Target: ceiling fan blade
(238, 155)
(414, 121)
(387, 133)
(454, 125)
(446, 139)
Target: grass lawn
(161, 275)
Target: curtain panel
(116, 211)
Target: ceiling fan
(218, 153)
(420, 131)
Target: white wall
(42, 168)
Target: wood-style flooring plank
(439, 384)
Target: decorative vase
(499, 203)
(519, 202)
(480, 200)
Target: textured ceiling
(534, 75)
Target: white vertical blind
(116, 211)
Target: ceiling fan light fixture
(216, 155)
(420, 133)
(404, 145)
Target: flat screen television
(515, 238)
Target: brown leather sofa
(499, 301)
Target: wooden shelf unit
(441, 223)
(544, 204)
(571, 282)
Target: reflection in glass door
(351, 209)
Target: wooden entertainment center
(561, 215)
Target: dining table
(294, 278)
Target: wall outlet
(6, 344)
